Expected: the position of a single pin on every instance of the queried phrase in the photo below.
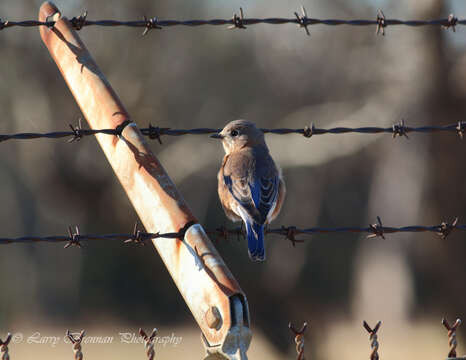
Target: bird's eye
(234, 133)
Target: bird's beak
(217, 136)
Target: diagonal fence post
(211, 292)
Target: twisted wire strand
(74, 238)
(299, 339)
(4, 352)
(76, 344)
(149, 342)
(373, 338)
(4, 347)
(452, 342)
(81, 21)
(155, 132)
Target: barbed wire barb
(452, 22)
(377, 229)
(373, 339)
(76, 344)
(445, 228)
(154, 132)
(151, 23)
(400, 129)
(74, 237)
(452, 342)
(299, 339)
(3, 24)
(290, 234)
(238, 21)
(79, 22)
(460, 128)
(77, 131)
(4, 347)
(309, 131)
(149, 342)
(303, 20)
(381, 24)
(138, 237)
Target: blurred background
(275, 76)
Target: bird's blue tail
(255, 235)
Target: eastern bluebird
(250, 185)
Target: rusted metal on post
(193, 262)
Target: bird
(250, 185)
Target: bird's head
(238, 134)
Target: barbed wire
(74, 238)
(299, 339)
(373, 338)
(452, 342)
(241, 22)
(149, 342)
(156, 133)
(76, 343)
(4, 347)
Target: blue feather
(255, 235)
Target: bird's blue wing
(264, 194)
(257, 196)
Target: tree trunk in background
(439, 265)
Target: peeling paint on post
(193, 262)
